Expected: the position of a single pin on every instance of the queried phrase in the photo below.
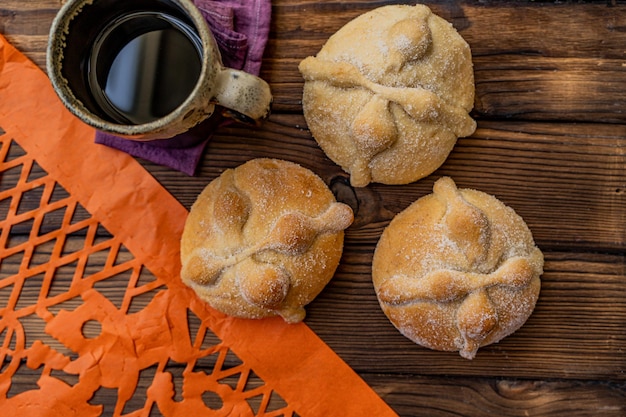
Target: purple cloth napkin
(241, 28)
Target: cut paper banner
(92, 310)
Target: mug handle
(244, 97)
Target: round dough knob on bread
(263, 240)
(457, 270)
(389, 93)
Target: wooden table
(551, 143)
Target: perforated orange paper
(160, 351)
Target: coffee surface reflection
(143, 66)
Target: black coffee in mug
(137, 61)
(143, 65)
(146, 69)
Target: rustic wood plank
(578, 328)
(479, 397)
(27, 24)
(514, 85)
(423, 395)
(546, 62)
(570, 178)
(576, 331)
(533, 62)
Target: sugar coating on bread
(389, 93)
(263, 240)
(457, 270)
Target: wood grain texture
(537, 61)
(479, 397)
(551, 143)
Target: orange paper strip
(275, 358)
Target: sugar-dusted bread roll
(263, 240)
(389, 93)
(457, 270)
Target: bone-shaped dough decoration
(389, 93)
(263, 239)
(457, 270)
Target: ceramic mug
(146, 69)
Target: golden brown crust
(263, 240)
(389, 94)
(457, 270)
